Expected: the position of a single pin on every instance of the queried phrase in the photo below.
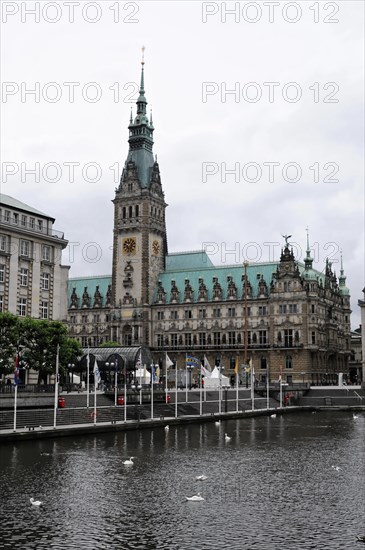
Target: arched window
(137, 211)
(124, 213)
(131, 211)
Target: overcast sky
(239, 170)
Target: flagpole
(16, 381)
(252, 387)
(186, 379)
(201, 392)
(237, 382)
(220, 390)
(56, 389)
(152, 368)
(165, 377)
(95, 392)
(87, 377)
(176, 389)
(15, 404)
(281, 390)
(125, 390)
(267, 387)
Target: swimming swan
(195, 498)
(35, 502)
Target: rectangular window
(16, 218)
(96, 318)
(288, 338)
(22, 307)
(160, 340)
(262, 336)
(7, 216)
(2, 243)
(313, 338)
(202, 339)
(248, 311)
(202, 313)
(24, 248)
(217, 338)
(2, 273)
(231, 312)
(1, 303)
(231, 338)
(46, 253)
(188, 314)
(73, 319)
(293, 308)
(188, 339)
(31, 223)
(262, 310)
(40, 225)
(313, 308)
(160, 315)
(84, 319)
(216, 312)
(282, 308)
(23, 276)
(45, 281)
(174, 314)
(174, 340)
(44, 310)
(23, 220)
(84, 342)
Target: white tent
(216, 379)
(143, 376)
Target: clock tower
(140, 242)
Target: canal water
(273, 486)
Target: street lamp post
(112, 365)
(70, 367)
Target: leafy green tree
(37, 342)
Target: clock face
(156, 248)
(129, 245)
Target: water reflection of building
(284, 315)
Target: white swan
(355, 416)
(35, 502)
(167, 428)
(227, 438)
(218, 423)
(273, 415)
(195, 498)
(129, 462)
(337, 468)
(201, 478)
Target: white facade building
(33, 283)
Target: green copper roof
(91, 283)
(188, 260)
(254, 273)
(197, 265)
(6, 200)
(144, 162)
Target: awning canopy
(122, 357)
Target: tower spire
(308, 261)
(141, 136)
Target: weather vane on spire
(143, 49)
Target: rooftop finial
(143, 49)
